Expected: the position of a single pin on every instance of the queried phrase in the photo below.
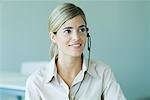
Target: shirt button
(71, 97)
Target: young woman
(69, 75)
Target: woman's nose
(75, 36)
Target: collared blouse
(91, 83)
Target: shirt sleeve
(111, 89)
(31, 92)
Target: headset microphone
(89, 47)
(89, 41)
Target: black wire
(89, 48)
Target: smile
(75, 45)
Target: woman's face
(71, 37)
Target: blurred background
(120, 32)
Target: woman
(69, 76)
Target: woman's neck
(69, 64)
(68, 68)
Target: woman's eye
(67, 31)
(83, 30)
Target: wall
(149, 28)
(119, 32)
(25, 35)
(148, 10)
(120, 35)
(0, 36)
(149, 32)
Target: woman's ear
(52, 36)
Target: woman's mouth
(76, 45)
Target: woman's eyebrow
(67, 28)
(72, 27)
(82, 26)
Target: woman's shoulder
(38, 75)
(100, 67)
(99, 64)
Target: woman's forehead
(75, 22)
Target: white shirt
(97, 80)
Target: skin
(70, 48)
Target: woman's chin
(75, 54)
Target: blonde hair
(58, 17)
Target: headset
(89, 47)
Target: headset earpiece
(88, 35)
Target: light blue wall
(119, 32)
(148, 67)
(25, 35)
(120, 35)
(148, 10)
(0, 35)
(149, 32)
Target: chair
(28, 68)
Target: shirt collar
(51, 69)
(87, 68)
(91, 69)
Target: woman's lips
(76, 45)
